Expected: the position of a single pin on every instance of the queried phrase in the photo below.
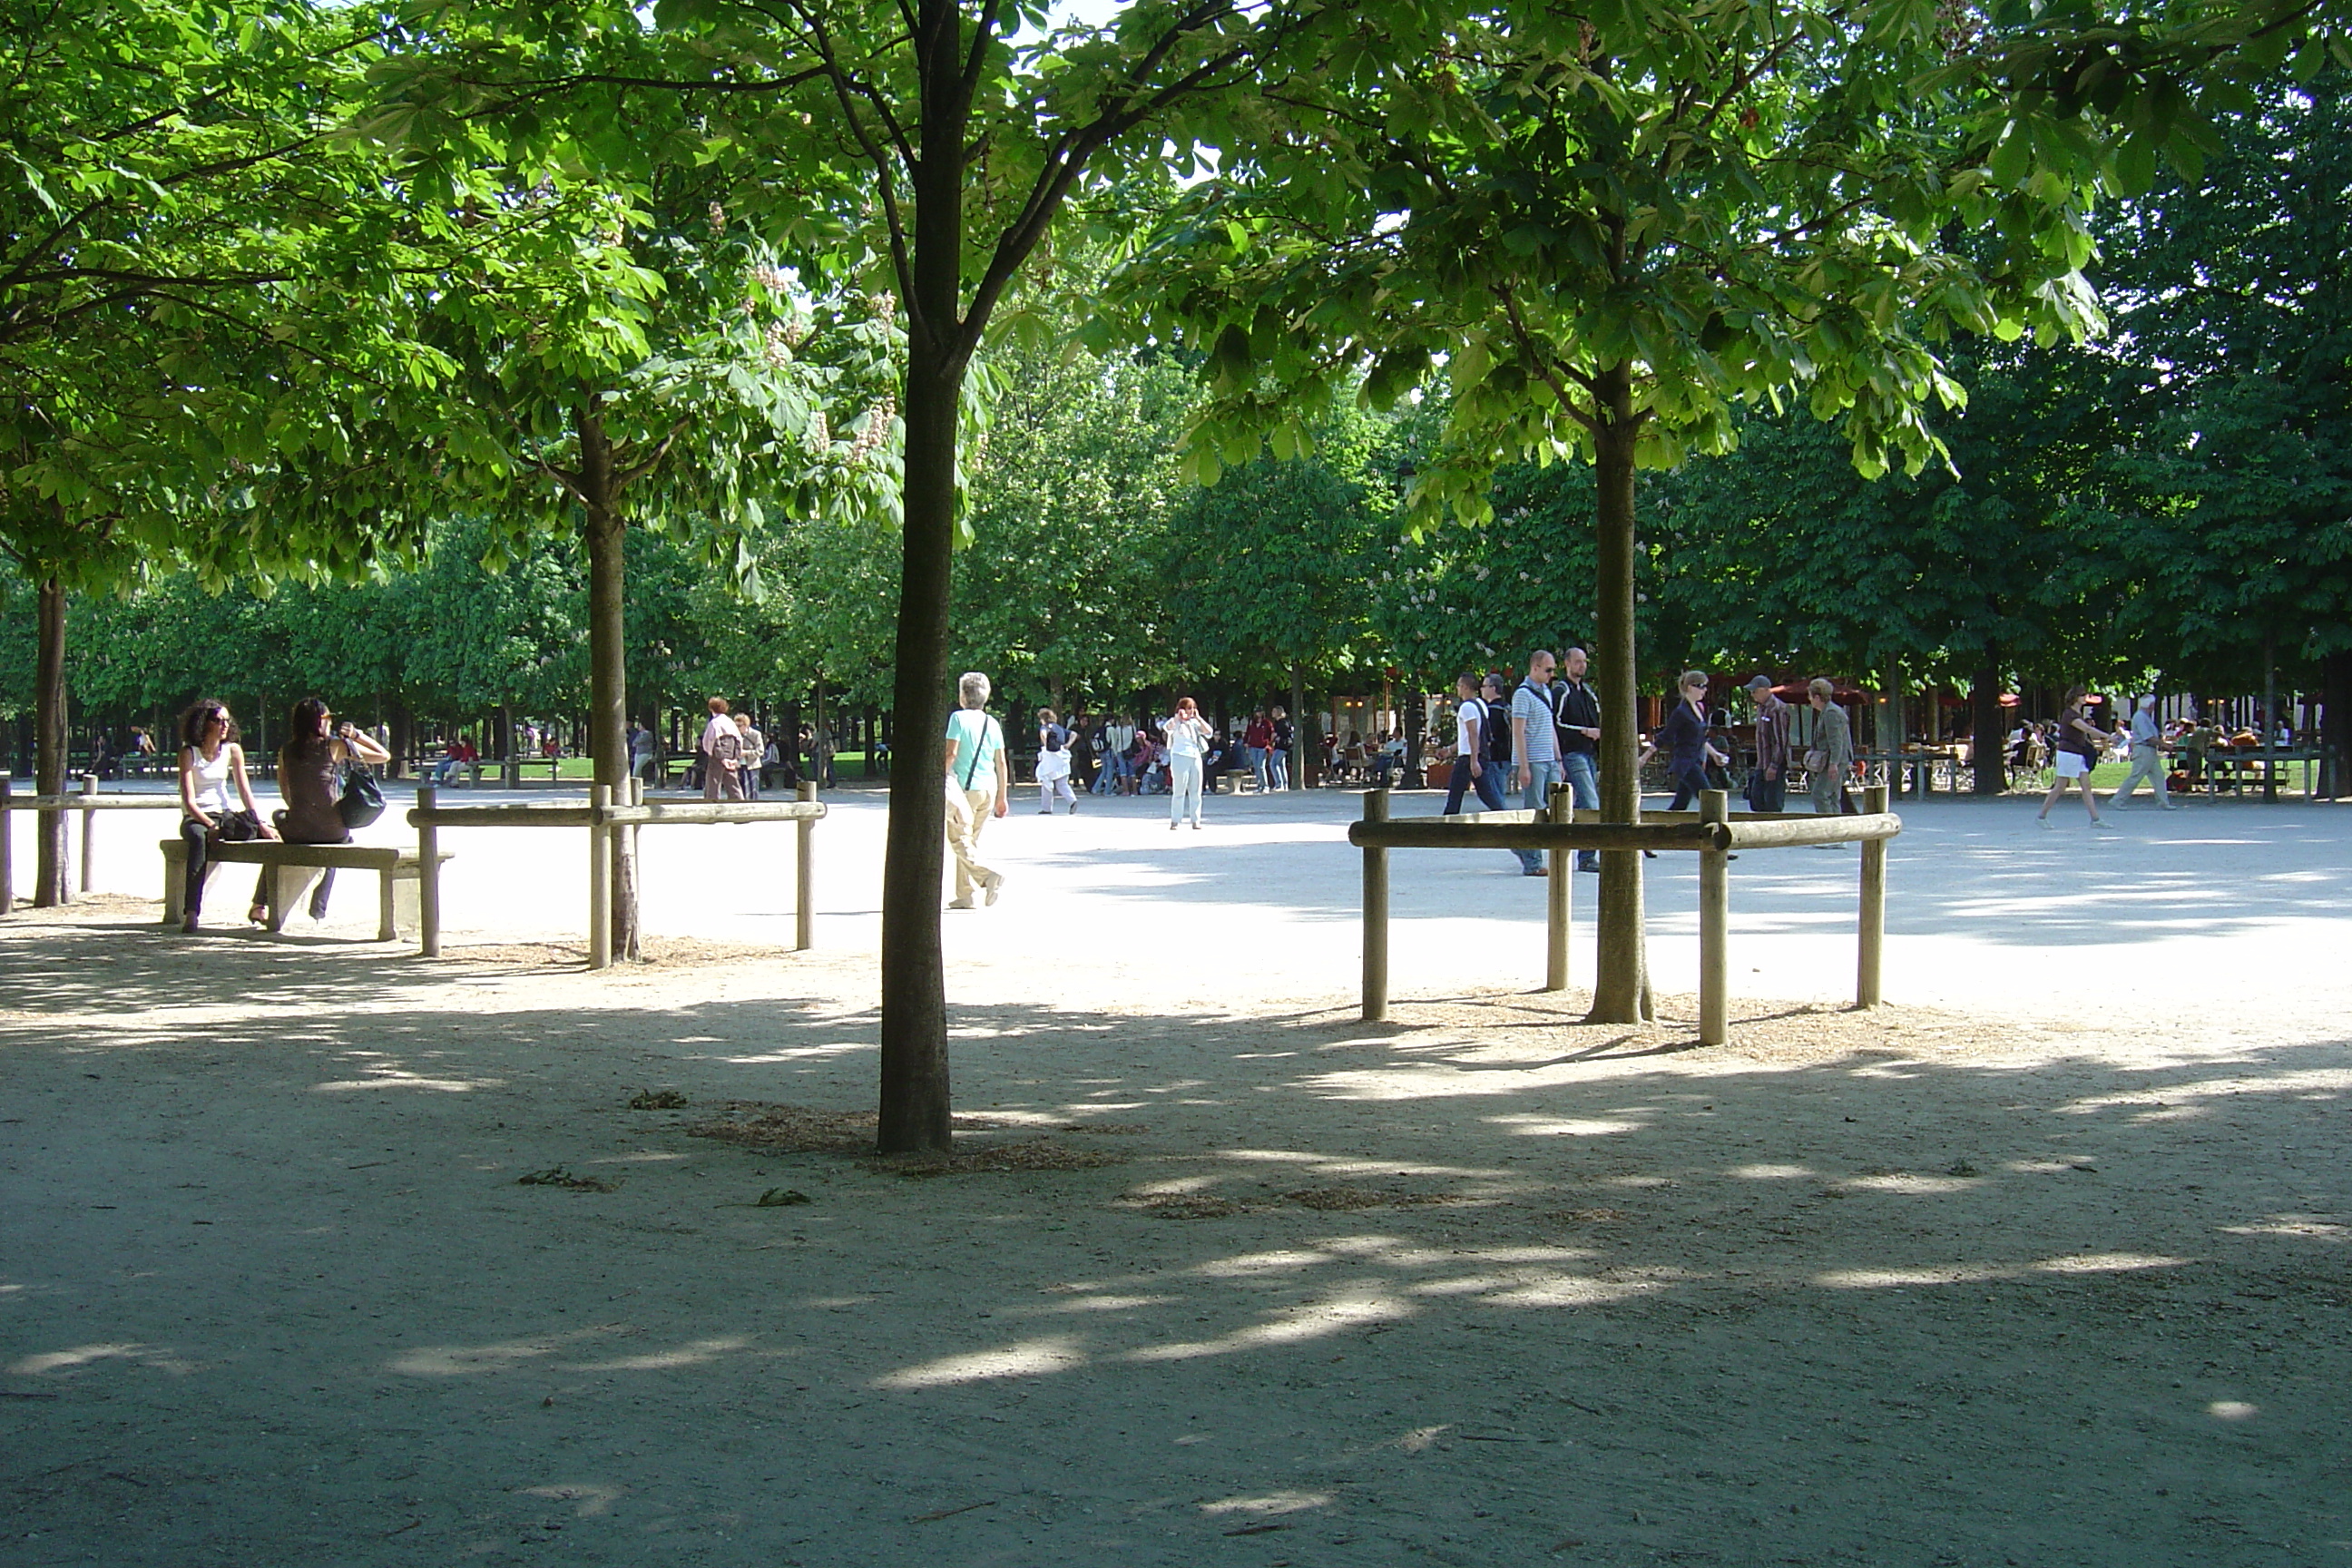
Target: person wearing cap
(1768, 786)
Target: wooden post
(88, 829)
(1715, 927)
(7, 842)
(428, 875)
(600, 880)
(1871, 924)
(1376, 915)
(805, 876)
(1557, 907)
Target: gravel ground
(2046, 1265)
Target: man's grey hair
(973, 688)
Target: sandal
(258, 915)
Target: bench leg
(385, 929)
(175, 890)
(406, 910)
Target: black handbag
(362, 802)
(235, 827)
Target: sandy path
(1483, 1286)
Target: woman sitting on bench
(211, 762)
(310, 776)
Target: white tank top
(211, 780)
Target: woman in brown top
(310, 776)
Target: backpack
(1497, 731)
(727, 751)
(1053, 737)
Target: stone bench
(397, 872)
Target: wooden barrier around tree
(602, 818)
(1712, 832)
(86, 801)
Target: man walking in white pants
(979, 786)
(2147, 757)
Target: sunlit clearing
(1562, 1127)
(1883, 1278)
(1311, 1322)
(1031, 1357)
(2109, 1263)
(1269, 1505)
(694, 1352)
(393, 1078)
(592, 1499)
(81, 1355)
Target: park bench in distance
(397, 870)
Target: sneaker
(959, 903)
(2101, 822)
(2044, 823)
(996, 886)
(1594, 870)
(1537, 872)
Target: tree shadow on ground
(1866, 1289)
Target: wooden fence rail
(1712, 832)
(86, 801)
(602, 818)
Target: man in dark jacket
(1580, 742)
(1769, 789)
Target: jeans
(1768, 795)
(2148, 762)
(1536, 797)
(1183, 789)
(1257, 762)
(193, 834)
(1488, 784)
(1689, 783)
(1278, 768)
(1581, 772)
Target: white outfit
(1054, 778)
(212, 780)
(1187, 742)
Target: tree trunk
(915, 1103)
(1621, 984)
(403, 724)
(2336, 723)
(1988, 749)
(49, 739)
(608, 675)
(1298, 727)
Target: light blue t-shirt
(979, 738)
(1540, 742)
